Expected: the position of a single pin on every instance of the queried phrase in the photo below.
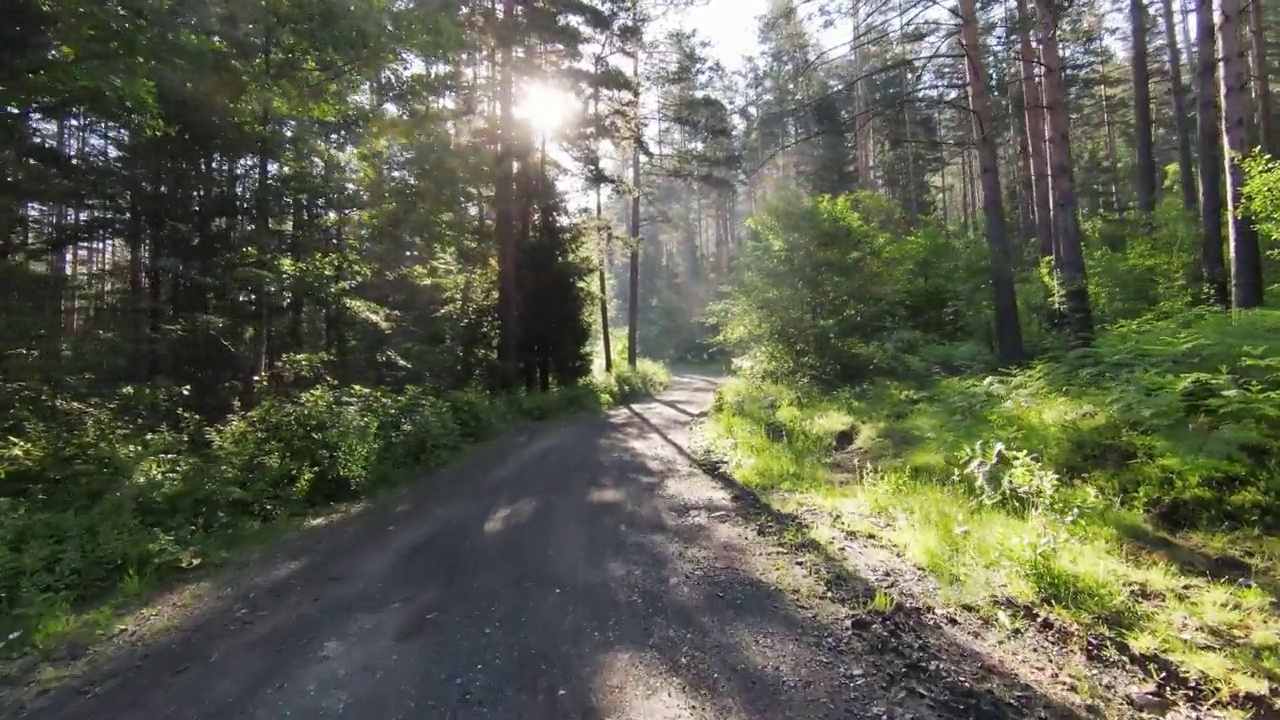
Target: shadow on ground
(582, 570)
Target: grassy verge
(1128, 491)
(102, 504)
(625, 384)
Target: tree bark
(1113, 160)
(505, 215)
(942, 187)
(1069, 248)
(1008, 328)
(1143, 142)
(604, 253)
(1262, 83)
(1026, 188)
(1035, 121)
(1186, 172)
(262, 237)
(1187, 43)
(966, 201)
(1209, 152)
(1246, 260)
(633, 280)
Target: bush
(825, 289)
(626, 384)
(1143, 269)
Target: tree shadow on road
(585, 571)
(926, 654)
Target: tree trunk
(717, 215)
(297, 308)
(1008, 329)
(1246, 260)
(1187, 13)
(1186, 173)
(913, 203)
(1143, 142)
(262, 237)
(262, 230)
(1035, 121)
(604, 258)
(1113, 160)
(1262, 84)
(1209, 151)
(942, 186)
(633, 280)
(58, 259)
(505, 210)
(137, 283)
(1069, 248)
(1026, 186)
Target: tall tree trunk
(158, 254)
(1008, 328)
(717, 215)
(262, 233)
(336, 325)
(913, 202)
(633, 279)
(137, 282)
(1035, 121)
(1209, 152)
(942, 187)
(1026, 187)
(1262, 83)
(1188, 11)
(1070, 249)
(297, 308)
(505, 214)
(861, 128)
(262, 230)
(1186, 172)
(58, 258)
(604, 254)
(1246, 259)
(1143, 142)
(1113, 160)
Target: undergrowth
(1130, 489)
(104, 498)
(626, 384)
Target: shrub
(626, 384)
(831, 290)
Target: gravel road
(581, 569)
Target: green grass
(626, 384)
(1120, 501)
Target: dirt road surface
(581, 569)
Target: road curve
(581, 569)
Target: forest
(995, 280)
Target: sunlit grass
(1089, 569)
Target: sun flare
(547, 107)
